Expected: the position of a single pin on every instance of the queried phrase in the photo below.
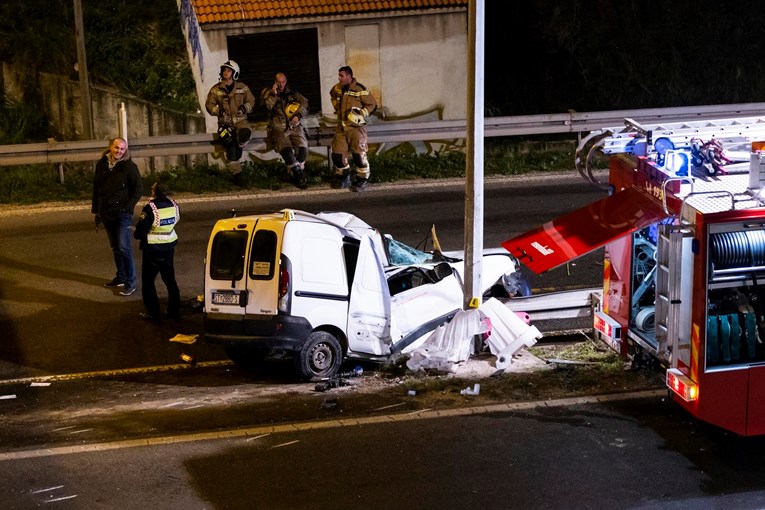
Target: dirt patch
(541, 373)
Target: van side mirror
(442, 270)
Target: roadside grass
(32, 184)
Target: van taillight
(284, 282)
(284, 288)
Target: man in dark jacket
(117, 188)
(156, 231)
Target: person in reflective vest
(156, 232)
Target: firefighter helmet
(356, 117)
(231, 64)
(292, 109)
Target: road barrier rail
(380, 132)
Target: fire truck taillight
(682, 385)
(606, 325)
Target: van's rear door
(225, 286)
(369, 309)
(263, 265)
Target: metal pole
(474, 163)
(82, 67)
(122, 128)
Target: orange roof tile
(215, 11)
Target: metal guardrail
(201, 143)
(568, 304)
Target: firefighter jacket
(224, 102)
(279, 107)
(116, 190)
(156, 226)
(353, 95)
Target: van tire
(319, 358)
(246, 357)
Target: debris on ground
(184, 339)
(503, 331)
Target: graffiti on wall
(189, 20)
(263, 152)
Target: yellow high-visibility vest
(163, 229)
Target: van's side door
(369, 310)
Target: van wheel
(320, 357)
(246, 357)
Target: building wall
(414, 64)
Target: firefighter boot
(341, 180)
(298, 177)
(360, 185)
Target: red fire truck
(684, 272)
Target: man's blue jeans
(121, 241)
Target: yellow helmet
(292, 109)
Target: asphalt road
(637, 453)
(56, 317)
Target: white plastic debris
(509, 333)
(449, 343)
(475, 390)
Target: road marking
(113, 373)
(262, 430)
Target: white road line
(297, 427)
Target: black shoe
(298, 178)
(340, 182)
(149, 317)
(127, 291)
(116, 282)
(359, 186)
(238, 179)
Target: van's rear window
(263, 255)
(227, 256)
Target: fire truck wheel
(319, 358)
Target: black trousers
(160, 261)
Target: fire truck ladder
(673, 294)
(643, 139)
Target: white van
(327, 286)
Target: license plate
(225, 298)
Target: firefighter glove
(242, 110)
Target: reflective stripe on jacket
(163, 229)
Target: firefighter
(156, 232)
(231, 101)
(286, 108)
(353, 104)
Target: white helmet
(356, 116)
(231, 64)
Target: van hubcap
(321, 357)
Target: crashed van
(326, 287)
